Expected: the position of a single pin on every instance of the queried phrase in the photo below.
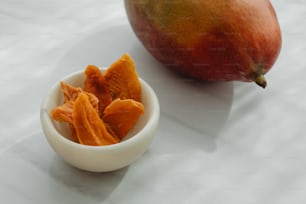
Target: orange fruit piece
(96, 84)
(122, 115)
(122, 79)
(63, 113)
(71, 93)
(90, 129)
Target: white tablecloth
(232, 143)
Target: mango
(214, 40)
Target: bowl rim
(47, 121)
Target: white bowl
(99, 158)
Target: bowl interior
(56, 98)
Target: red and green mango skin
(209, 39)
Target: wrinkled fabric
(228, 142)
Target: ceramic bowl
(99, 158)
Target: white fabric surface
(231, 143)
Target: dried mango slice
(63, 113)
(122, 115)
(96, 84)
(71, 93)
(122, 79)
(90, 128)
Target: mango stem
(261, 81)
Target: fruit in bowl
(96, 132)
(209, 40)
